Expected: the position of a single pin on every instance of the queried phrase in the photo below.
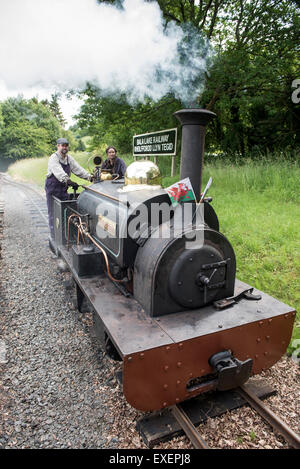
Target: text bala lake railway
(155, 143)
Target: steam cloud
(65, 43)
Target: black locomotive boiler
(163, 287)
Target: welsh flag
(181, 191)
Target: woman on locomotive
(60, 167)
(113, 163)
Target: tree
(204, 15)
(249, 86)
(24, 140)
(54, 107)
(248, 83)
(1, 121)
(110, 120)
(29, 129)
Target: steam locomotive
(162, 284)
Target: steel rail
(39, 210)
(25, 189)
(188, 427)
(276, 422)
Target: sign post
(156, 144)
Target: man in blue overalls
(60, 167)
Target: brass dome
(143, 172)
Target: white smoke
(62, 44)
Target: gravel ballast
(51, 375)
(57, 388)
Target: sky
(57, 45)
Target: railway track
(257, 404)
(34, 202)
(269, 416)
(188, 427)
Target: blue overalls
(59, 189)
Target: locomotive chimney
(193, 123)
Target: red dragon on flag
(181, 191)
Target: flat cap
(61, 141)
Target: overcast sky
(55, 45)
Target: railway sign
(162, 142)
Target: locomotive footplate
(166, 358)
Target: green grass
(32, 170)
(258, 206)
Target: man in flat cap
(60, 167)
